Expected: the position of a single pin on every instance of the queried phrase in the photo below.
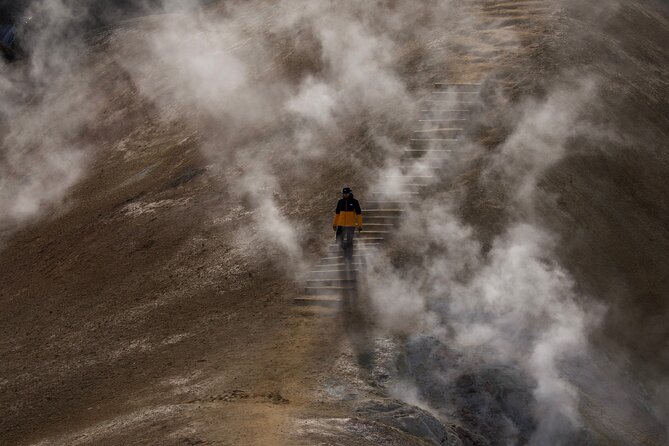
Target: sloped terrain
(150, 298)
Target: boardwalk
(439, 132)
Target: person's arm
(358, 215)
(335, 218)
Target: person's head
(346, 192)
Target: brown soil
(144, 313)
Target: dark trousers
(345, 235)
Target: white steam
(230, 73)
(514, 304)
(540, 137)
(47, 101)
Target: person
(348, 216)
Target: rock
(410, 419)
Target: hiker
(347, 216)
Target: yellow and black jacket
(347, 213)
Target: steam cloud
(515, 305)
(229, 73)
(511, 305)
(47, 102)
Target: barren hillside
(167, 182)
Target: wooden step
(363, 249)
(327, 290)
(445, 113)
(365, 241)
(382, 212)
(439, 130)
(334, 270)
(338, 264)
(420, 167)
(337, 259)
(325, 300)
(332, 277)
(428, 153)
(361, 243)
(433, 142)
(387, 220)
(385, 228)
(447, 120)
(447, 102)
(330, 281)
(383, 205)
(455, 94)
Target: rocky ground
(151, 308)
